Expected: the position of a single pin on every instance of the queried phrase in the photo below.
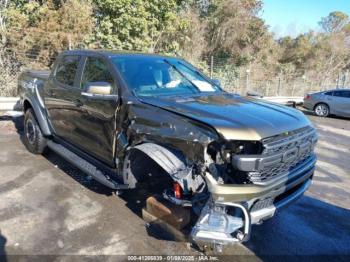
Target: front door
(95, 129)
(341, 102)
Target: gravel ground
(47, 207)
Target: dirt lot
(49, 207)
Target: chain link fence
(12, 64)
(256, 79)
(9, 70)
(233, 79)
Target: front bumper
(244, 193)
(220, 228)
(259, 215)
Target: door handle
(78, 103)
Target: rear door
(328, 98)
(341, 102)
(95, 129)
(62, 96)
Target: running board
(84, 166)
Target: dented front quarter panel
(147, 123)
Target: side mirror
(216, 82)
(99, 90)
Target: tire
(321, 110)
(34, 139)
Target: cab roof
(110, 53)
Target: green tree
(235, 31)
(297, 51)
(334, 22)
(38, 30)
(137, 24)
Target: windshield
(154, 76)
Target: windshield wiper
(182, 74)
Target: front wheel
(34, 139)
(322, 110)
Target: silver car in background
(330, 102)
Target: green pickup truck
(130, 120)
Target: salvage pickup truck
(129, 120)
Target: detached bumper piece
(216, 226)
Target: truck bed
(30, 79)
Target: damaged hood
(233, 116)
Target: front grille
(288, 140)
(283, 144)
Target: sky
(292, 17)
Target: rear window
(329, 93)
(67, 69)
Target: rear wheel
(322, 110)
(34, 139)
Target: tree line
(232, 31)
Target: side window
(346, 94)
(96, 70)
(66, 70)
(339, 93)
(329, 93)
